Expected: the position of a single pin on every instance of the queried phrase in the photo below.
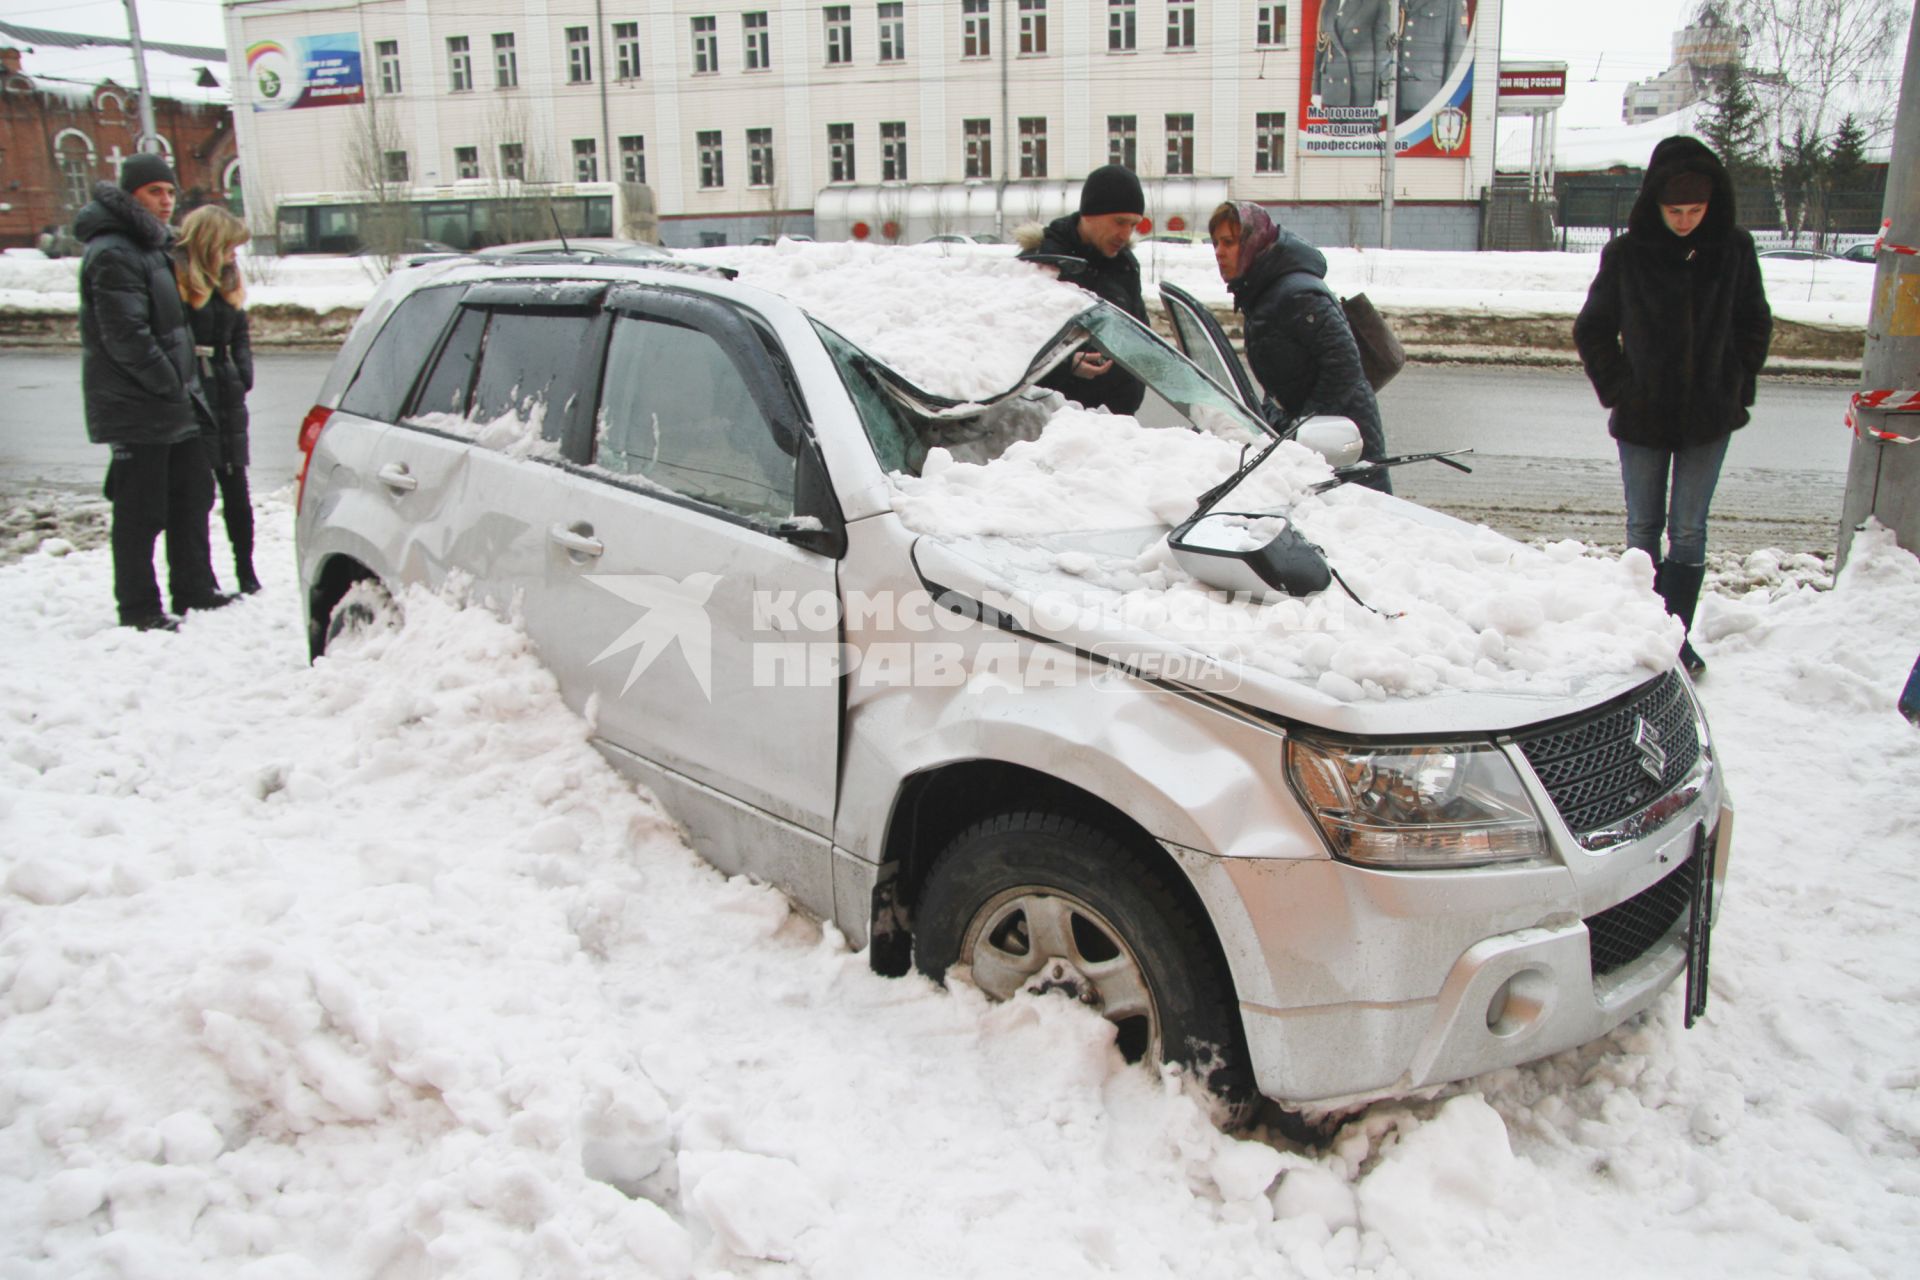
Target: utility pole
(149, 136)
(1883, 474)
(1393, 108)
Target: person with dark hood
(1112, 205)
(142, 395)
(1299, 345)
(1672, 336)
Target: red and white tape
(1880, 243)
(1882, 402)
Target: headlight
(1445, 805)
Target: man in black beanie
(142, 395)
(1111, 207)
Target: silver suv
(688, 490)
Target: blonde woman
(209, 276)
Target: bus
(467, 215)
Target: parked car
(953, 237)
(1796, 255)
(581, 249)
(694, 494)
(1860, 252)
(771, 240)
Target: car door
(1204, 342)
(662, 572)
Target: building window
(893, 150)
(387, 52)
(626, 50)
(706, 46)
(394, 166)
(1033, 146)
(513, 160)
(1179, 146)
(633, 158)
(759, 157)
(1033, 26)
(579, 55)
(586, 160)
(1180, 24)
(1120, 25)
(1122, 141)
(76, 171)
(839, 34)
(459, 64)
(1270, 28)
(893, 32)
(506, 62)
(976, 29)
(466, 162)
(840, 167)
(979, 147)
(753, 29)
(713, 165)
(1270, 142)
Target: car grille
(1623, 933)
(1595, 771)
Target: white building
(887, 120)
(1700, 51)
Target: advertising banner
(306, 71)
(1346, 78)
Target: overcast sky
(1605, 43)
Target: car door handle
(578, 540)
(397, 478)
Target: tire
(1117, 936)
(365, 607)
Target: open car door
(1202, 340)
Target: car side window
(446, 388)
(527, 367)
(675, 411)
(379, 390)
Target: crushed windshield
(903, 422)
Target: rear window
(380, 388)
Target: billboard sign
(306, 71)
(1347, 78)
(1529, 87)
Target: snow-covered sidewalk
(372, 968)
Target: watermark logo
(672, 612)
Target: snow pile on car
(1447, 606)
(965, 327)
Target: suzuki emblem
(1646, 741)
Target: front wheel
(365, 608)
(1039, 902)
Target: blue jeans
(1681, 511)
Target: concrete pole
(1883, 478)
(1393, 108)
(149, 136)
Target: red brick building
(68, 116)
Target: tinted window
(676, 411)
(527, 368)
(379, 390)
(446, 387)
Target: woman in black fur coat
(216, 298)
(1673, 334)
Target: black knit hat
(136, 171)
(1112, 188)
(1686, 187)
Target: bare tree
(1815, 61)
(377, 164)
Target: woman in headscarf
(1672, 336)
(208, 272)
(1299, 345)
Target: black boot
(243, 570)
(1679, 586)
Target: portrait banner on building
(306, 71)
(1349, 99)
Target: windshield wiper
(1362, 470)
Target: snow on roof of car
(965, 327)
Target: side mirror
(1246, 555)
(1333, 438)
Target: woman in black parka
(1299, 345)
(1673, 334)
(216, 298)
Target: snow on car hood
(965, 327)
(1072, 526)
